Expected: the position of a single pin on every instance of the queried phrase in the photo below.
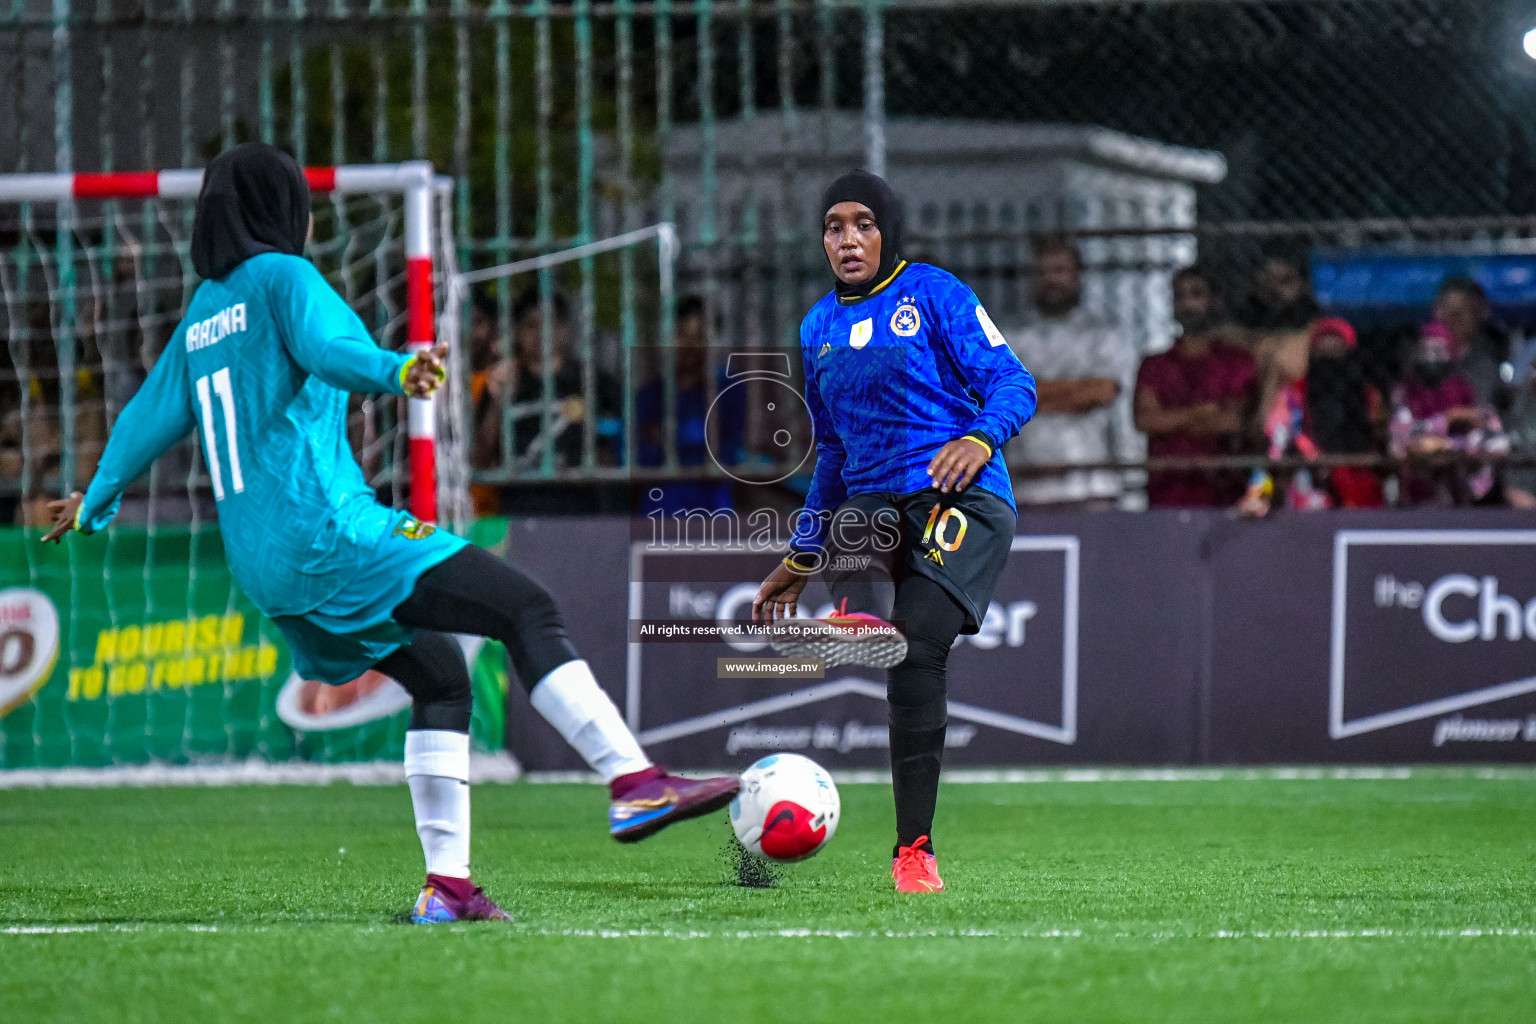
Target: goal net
(135, 646)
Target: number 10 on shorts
(938, 527)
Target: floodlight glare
(1530, 44)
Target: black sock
(915, 757)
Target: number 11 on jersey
(226, 393)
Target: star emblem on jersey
(861, 332)
(906, 322)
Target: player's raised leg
(474, 591)
(432, 670)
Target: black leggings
(472, 592)
(918, 688)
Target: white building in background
(975, 191)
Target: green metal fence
(1213, 127)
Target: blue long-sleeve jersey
(261, 366)
(890, 379)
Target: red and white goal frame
(413, 180)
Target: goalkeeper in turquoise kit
(260, 367)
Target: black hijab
(872, 191)
(254, 200)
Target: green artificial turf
(1230, 900)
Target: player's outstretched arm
(1008, 391)
(779, 596)
(1009, 395)
(328, 341)
(153, 420)
(955, 465)
(425, 371)
(63, 511)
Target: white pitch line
(832, 933)
(70, 929)
(1055, 933)
(786, 933)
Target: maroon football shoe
(645, 802)
(446, 899)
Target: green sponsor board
(135, 646)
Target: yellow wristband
(405, 368)
(789, 561)
(971, 437)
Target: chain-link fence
(1338, 157)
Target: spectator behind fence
(484, 353)
(1193, 399)
(694, 400)
(1084, 367)
(484, 340)
(516, 386)
(1435, 411)
(1280, 300)
(1520, 422)
(1275, 322)
(1329, 410)
(1479, 346)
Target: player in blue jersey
(261, 365)
(912, 392)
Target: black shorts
(960, 541)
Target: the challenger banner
(129, 647)
(1375, 638)
(1159, 638)
(690, 617)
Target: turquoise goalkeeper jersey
(262, 365)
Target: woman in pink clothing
(1434, 410)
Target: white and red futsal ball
(787, 809)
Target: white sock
(571, 701)
(437, 770)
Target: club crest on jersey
(906, 322)
(861, 332)
(825, 348)
(414, 529)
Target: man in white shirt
(1085, 369)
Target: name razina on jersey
(217, 327)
